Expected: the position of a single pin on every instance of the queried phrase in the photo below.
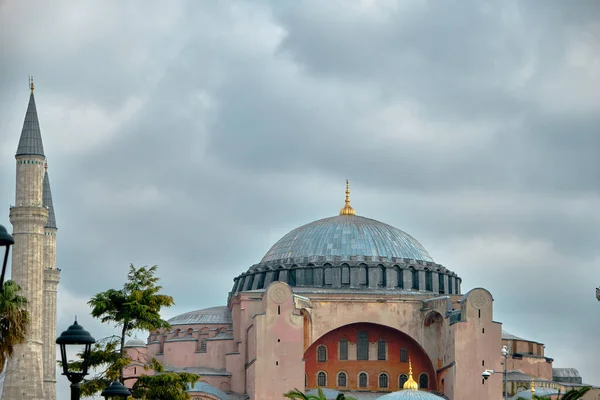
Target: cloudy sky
(193, 135)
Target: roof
(212, 315)
(346, 236)
(203, 387)
(565, 373)
(47, 202)
(410, 394)
(526, 394)
(509, 336)
(135, 342)
(30, 142)
(520, 376)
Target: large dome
(346, 236)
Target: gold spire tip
(347, 210)
(410, 384)
(31, 85)
(532, 386)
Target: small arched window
(342, 380)
(343, 349)
(429, 281)
(321, 353)
(402, 380)
(261, 281)
(321, 379)
(363, 380)
(383, 381)
(415, 278)
(382, 276)
(203, 346)
(399, 277)
(423, 381)
(381, 350)
(345, 275)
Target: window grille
(362, 348)
(381, 349)
(321, 379)
(363, 380)
(342, 379)
(344, 349)
(383, 381)
(321, 354)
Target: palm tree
(298, 395)
(14, 320)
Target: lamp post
(504, 353)
(75, 336)
(6, 240)
(115, 389)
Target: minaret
(24, 372)
(51, 279)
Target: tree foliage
(14, 320)
(298, 395)
(136, 306)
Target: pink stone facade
(263, 351)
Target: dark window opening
(429, 281)
(423, 381)
(321, 354)
(383, 381)
(381, 349)
(363, 380)
(441, 286)
(344, 349)
(342, 379)
(403, 355)
(321, 379)
(402, 380)
(415, 279)
(362, 348)
(292, 277)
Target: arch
(384, 381)
(363, 380)
(402, 380)
(322, 353)
(433, 337)
(423, 381)
(342, 379)
(395, 340)
(321, 379)
(307, 324)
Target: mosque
(344, 303)
(352, 305)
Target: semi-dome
(212, 315)
(135, 342)
(346, 236)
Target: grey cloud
(253, 114)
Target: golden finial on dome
(31, 86)
(347, 210)
(410, 384)
(532, 388)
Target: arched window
(249, 282)
(423, 381)
(292, 277)
(308, 276)
(363, 380)
(415, 279)
(450, 284)
(429, 281)
(403, 355)
(321, 379)
(382, 278)
(345, 275)
(203, 346)
(363, 278)
(402, 380)
(321, 353)
(328, 276)
(275, 275)
(343, 349)
(383, 380)
(441, 283)
(362, 347)
(261, 280)
(381, 349)
(399, 277)
(342, 380)
(456, 288)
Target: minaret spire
(47, 200)
(30, 143)
(347, 210)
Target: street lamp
(116, 389)
(6, 240)
(504, 353)
(75, 336)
